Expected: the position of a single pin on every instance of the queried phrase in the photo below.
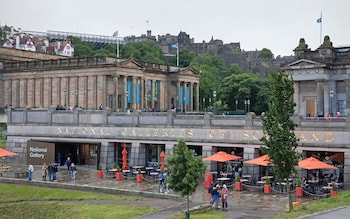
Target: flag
(115, 34)
(319, 20)
(175, 46)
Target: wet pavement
(241, 204)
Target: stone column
(125, 97)
(146, 89)
(116, 92)
(191, 96)
(138, 154)
(104, 154)
(251, 169)
(178, 96)
(297, 97)
(142, 94)
(133, 99)
(152, 95)
(184, 99)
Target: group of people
(216, 193)
(49, 171)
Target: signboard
(40, 152)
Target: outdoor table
(223, 179)
(260, 183)
(155, 174)
(327, 188)
(136, 172)
(246, 176)
(244, 181)
(125, 172)
(264, 177)
(148, 169)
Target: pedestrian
(44, 171)
(73, 170)
(216, 196)
(54, 172)
(30, 172)
(59, 159)
(161, 181)
(49, 171)
(68, 163)
(224, 198)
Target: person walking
(68, 163)
(73, 170)
(224, 198)
(30, 172)
(49, 170)
(44, 172)
(216, 196)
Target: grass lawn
(16, 200)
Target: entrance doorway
(79, 153)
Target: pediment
(305, 63)
(130, 63)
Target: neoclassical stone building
(321, 79)
(88, 83)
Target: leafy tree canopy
(186, 58)
(147, 51)
(185, 170)
(266, 53)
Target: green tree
(245, 86)
(147, 51)
(2, 34)
(278, 130)
(266, 54)
(185, 171)
(81, 49)
(185, 59)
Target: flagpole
(321, 30)
(177, 51)
(118, 48)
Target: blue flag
(319, 20)
(175, 45)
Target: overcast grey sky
(274, 24)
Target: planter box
(238, 186)
(100, 174)
(267, 188)
(139, 178)
(118, 176)
(299, 191)
(334, 193)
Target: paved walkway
(243, 204)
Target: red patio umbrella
(312, 163)
(124, 165)
(263, 160)
(6, 153)
(221, 156)
(339, 157)
(162, 160)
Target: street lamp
(65, 97)
(184, 104)
(203, 103)
(331, 94)
(214, 95)
(248, 102)
(146, 102)
(236, 104)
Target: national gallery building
(38, 130)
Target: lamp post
(177, 102)
(76, 97)
(146, 102)
(65, 97)
(184, 104)
(331, 94)
(236, 104)
(214, 95)
(248, 102)
(203, 103)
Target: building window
(341, 107)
